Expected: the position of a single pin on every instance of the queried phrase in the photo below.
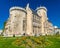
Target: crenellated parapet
(42, 7)
(17, 8)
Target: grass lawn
(11, 42)
(55, 41)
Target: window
(24, 25)
(15, 16)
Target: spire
(28, 8)
(27, 5)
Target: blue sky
(53, 7)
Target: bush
(31, 42)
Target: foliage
(30, 42)
(3, 28)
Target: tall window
(23, 25)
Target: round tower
(17, 17)
(42, 11)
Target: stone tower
(29, 30)
(14, 25)
(42, 11)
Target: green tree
(3, 28)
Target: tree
(57, 33)
(3, 28)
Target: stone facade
(49, 29)
(24, 21)
(56, 30)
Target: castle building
(24, 21)
(49, 29)
(56, 30)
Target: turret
(17, 15)
(29, 30)
(42, 11)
